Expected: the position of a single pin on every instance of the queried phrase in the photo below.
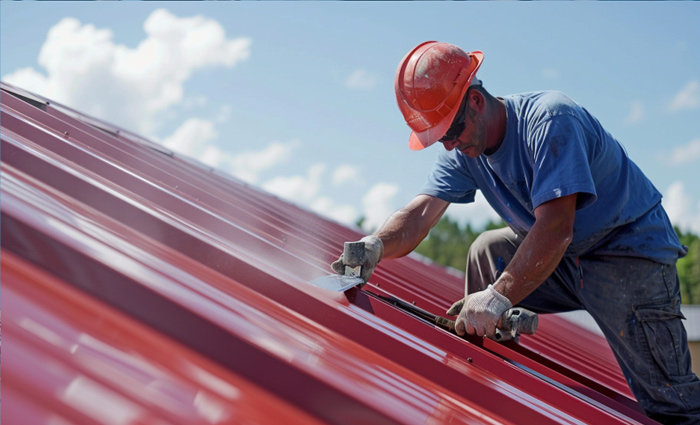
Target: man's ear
(476, 101)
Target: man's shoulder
(546, 103)
(543, 96)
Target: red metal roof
(142, 287)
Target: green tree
(448, 243)
(689, 268)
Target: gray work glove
(481, 312)
(374, 249)
(456, 308)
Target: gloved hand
(482, 311)
(456, 307)
(374, 249)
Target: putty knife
(353, 253)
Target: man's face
(472, 140)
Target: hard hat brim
(418, 141)
(415, 144)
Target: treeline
(689, 268)
(448, 244)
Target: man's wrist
(502, 299)
(504, 285)
(375, 244)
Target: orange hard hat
(430, 82)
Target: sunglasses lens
(457, 127)
(453, 132)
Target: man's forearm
(399, 234)
(532, 264)
(407, 227)
(541, 250)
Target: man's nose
(450, 144)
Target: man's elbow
(565, 235)
(566, 240)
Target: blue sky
(297, 97)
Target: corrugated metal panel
(219, 271)
(85, 362)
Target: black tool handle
(524, 321)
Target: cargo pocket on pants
(661, 338)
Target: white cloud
(195, 137)
(686, 153)
(636, 113)
(248, 165)
(301, 189)
(687, 98)
(478, 213)
(191, 138)
(87, 70)
(378, 205)
(345, 214)
(29, 79)
(361, 79)
(224, 114)
(550, 73)
(344, 173)
(679, 207)
(194, 102)
(305, 190)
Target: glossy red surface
(167, 264)
(75, 358)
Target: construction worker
(586, 229)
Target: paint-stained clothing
(553, 147)
(621, 263)
(635, 302)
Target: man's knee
(494, 244)
(488, 256)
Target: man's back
(552, 148)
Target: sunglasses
(457, 126)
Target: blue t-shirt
(553, 147)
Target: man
(586, 229)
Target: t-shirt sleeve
(561, 162)
(450, 179)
